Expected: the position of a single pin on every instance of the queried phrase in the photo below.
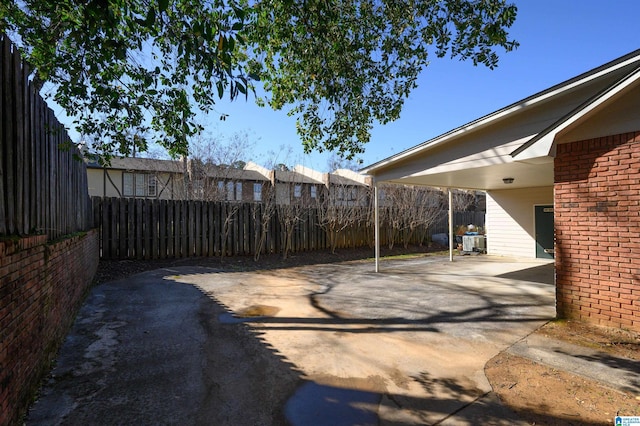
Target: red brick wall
(41, 287)
(597, 221)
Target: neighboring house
(349, 188)
(136, 178)
(193, 180)
(310, 187)
(216, 183)
(300, 186)
(561, 170)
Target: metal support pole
(450, 225)
(376, 226)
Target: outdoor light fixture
(508, 180)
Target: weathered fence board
(3, 154)
(43, 184)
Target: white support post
(376, 226)
(450, 225)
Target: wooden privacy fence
(157, 229)
(43, 184)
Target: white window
(257, 192)
(141, 189)
(152, 186)
(238, 191)
(314, 191)
(297, 191)
(229, 191)
(139, 185)
(127, 184)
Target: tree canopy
(136, 71)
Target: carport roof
(515, 141)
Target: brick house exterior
(597, 222)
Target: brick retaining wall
(41, 288)
(597, 221)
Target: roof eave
(508, 110)
(542, 145)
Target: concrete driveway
(329, 344)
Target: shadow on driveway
(155, 349)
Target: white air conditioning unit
(473, 243)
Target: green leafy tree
(344, 65)
(136, 71)
(146, 65)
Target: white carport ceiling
(525, 175)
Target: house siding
(110, 183)
(100, 185)
(510, 220)
(597, 218)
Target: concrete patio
(326, 344)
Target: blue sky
(559, 39)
